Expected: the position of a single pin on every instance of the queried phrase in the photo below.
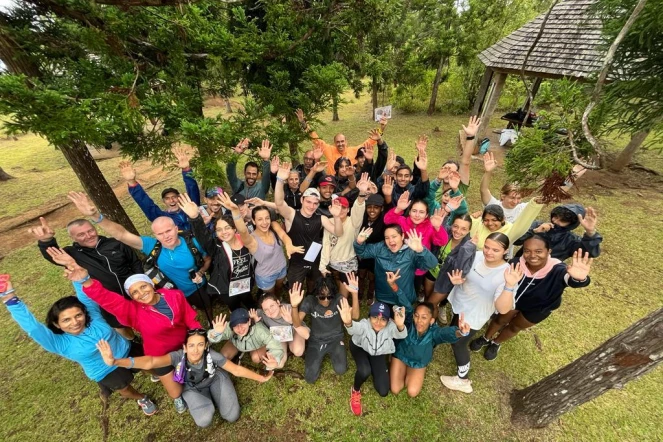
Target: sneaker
(491, 352)
(180, 405)
(147, 406)
(442, 315)
(154, 379)
(479, 343)
(355, 401)
(421, 298)
(456, 383)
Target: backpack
(152, 269)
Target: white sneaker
(456, 383)
(154, 378)
(442, 315)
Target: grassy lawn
(45, 396)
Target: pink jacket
(429, 235)
(160, 334)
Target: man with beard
(326, 187)
(212, 210)
(250, 187)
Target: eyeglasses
(196, 331)
(323, 297)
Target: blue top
(417, 351)
(152, 211)
(176, 263)
(79, 348)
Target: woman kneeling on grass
(202, 372)
(278, 318)
(414, 353)
(372, 340)
(537, 293)
(73, 326)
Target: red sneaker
(355, 401)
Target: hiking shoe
(442, 315)
(491, 352)
(180, 405)
(355, 401)
(456, 383)
(147, 406)
(421, 298)
(154, 378)
(479, 343)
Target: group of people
(350, 223)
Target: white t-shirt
(476, 296)
(509, 214)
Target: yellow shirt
(513, 231)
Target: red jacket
(160, 334)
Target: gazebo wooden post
(498, 79)
(483, 90)
(535, 88)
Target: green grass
(45, 396)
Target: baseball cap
(375, 200)
(311, 192)
(239, 316)
(343, 201)
(213, 191)
(238, 199)
(379, 309)
(327, 181)
(169, 190)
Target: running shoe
(491, 352)
(479, 343)
(154, 378)
(180, 405)
(148, 407)
(355, 401)
(456, 383)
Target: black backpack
(152, 269)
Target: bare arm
(470, 132)
(287, 212)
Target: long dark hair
(496, 211)
(61, 305)
(272, 218)
(502, 240)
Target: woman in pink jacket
(161, 316)
(430, 228)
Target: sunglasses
(196, 331)
(323, 297)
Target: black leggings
(461, 351)
(368, 365)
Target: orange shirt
(332, 154)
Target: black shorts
(429, 276)
(535, 316)
(299, 272)
(367, 264)
(121, 377)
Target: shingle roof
(566, 48)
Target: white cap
(138, 277)
(311, 192)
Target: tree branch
(607, 63)
(576, 158)
(144, 2)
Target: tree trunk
(436, 85)
(374, 96)
(229, 109)
(622, 358)
(95, 184)
(626, 155)
(15, 59)
(4, 176)
(335, 108)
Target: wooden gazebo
(567, 48)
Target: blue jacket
(152, 211)
(417, 351)
(78, 348)
(259, 189)
(405, 259)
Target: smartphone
(484, 146)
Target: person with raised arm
(250, 187)
(510, 196)
(374, 219)
(277, 316)
(72, 327)
(169, 195)
(326, 336)
(202, 373)
(492, 219)
(304, 227)
(404, 176)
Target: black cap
(238, 199)
(375, 200)
(169, 190)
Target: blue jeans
(268, 282)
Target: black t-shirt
(326, 322)
(303, 232)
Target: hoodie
(563, 242)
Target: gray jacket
(380, 343)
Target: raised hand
(353, 283)
(455, 202)
(414, 241)
(265, 150)
(335, 208)
(369, 152)
(127, 171)
(59, 256)
(388, 185)
(403, 201)
(545, 227)
(463, 326)
(274, 164)
(74, 272)
(422, 160)
(372, 188)
(421, 143)
(255, 201)
(317, 152)
(270, 361)
(443, 174)
(456, 277)
(392, 277)
(437, 218)
(580, 265)
(363, 183)
(242, 146)
(296, 294)
(589, 221)
(291, 249)
(489, 162)
(376, 136)
(320, 166)
(82, 203)
(399, 317)
(513, 275)
(476, 214)
(106, 352)
(284, 170)
(183, 156)
(300, 115)
(253, 314)
(286, 313)
(43, 232)
(472, 126)
(454, 180)
(392, 163)
(187, 206)
(346, 311)
(365, 233)
(226, 202)
(383, 123)
(219, 324)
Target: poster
(382, 112)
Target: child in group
(414, 353)
(277, 317)
(372, 341)
(201, 370)
(326, 325)
(245, 336)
